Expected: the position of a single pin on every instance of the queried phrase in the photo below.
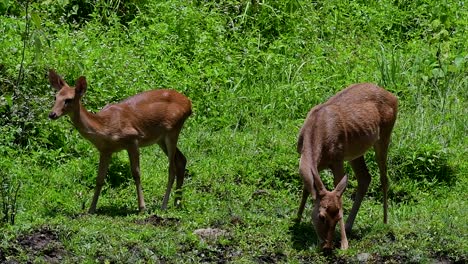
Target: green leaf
(459, 61)
(36, 19)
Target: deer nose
(52, 115)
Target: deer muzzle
(53, 115)
(327, 245)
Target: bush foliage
(243, 63)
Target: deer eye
(68, 101)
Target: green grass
(252, 70)
(250, 196)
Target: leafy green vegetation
(252, 69)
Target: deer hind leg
(338, 174)
(169, 146)
(134, 156)
(381, 150)
(363, 178)
(104, 160)
(180, 162)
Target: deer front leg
(338, 174)
(363, 178)
(305, 196)
(134, 156)
(104, 160)
(305, 170)
(381, 151)
(344, 239)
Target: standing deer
(344, 128)
(155, 116)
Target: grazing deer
(344, 128)
(155, 116)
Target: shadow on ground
(303, 235)
(113, 210)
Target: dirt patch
(217, 254)
(44, 243)
(237, 220)
(391, 259)
(2, 256)
(158, 221)
(271, 258)
(209, 252)
(210, 233)
(445, 258)
(332, 258)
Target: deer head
(328, 210)
(67, 98)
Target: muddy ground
(40, 245)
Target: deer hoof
(344, 245)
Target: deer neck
(85, 122)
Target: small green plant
(9, 190)
(119, 171)
(426, 164)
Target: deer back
(348, 124)
(147, 116)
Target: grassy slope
(259, 223)
(251, 89)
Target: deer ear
(341, 187)
(81, 86)
(55, 80)
(318, 184)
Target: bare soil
(43, 243)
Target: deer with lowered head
(343, 129)
(155, 116)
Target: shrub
(9, 190)
(427, 164)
